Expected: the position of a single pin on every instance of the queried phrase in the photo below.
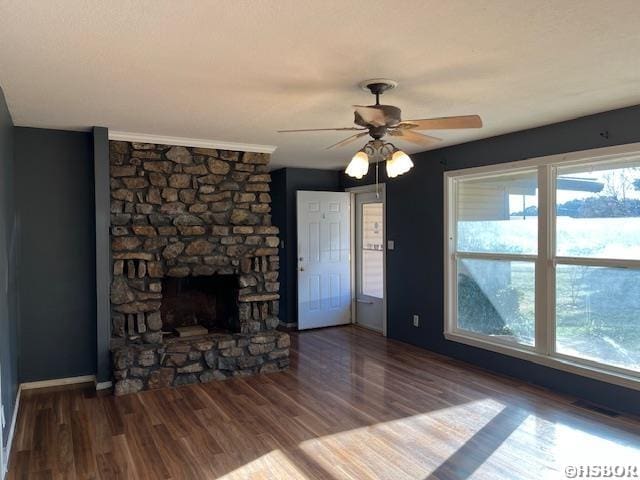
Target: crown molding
(189, 142)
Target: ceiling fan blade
(442, 123)
(348, 140)
(372, 116)
(415, 137)
(321, 129)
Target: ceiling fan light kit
(396, 160)
(398, 164)
(379, 120)
(358, 166)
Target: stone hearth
(188, 213)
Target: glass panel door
(369, 251)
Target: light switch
(390, 244)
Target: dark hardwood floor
(353, 405)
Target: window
(372, 253)
(598, 300)
(543, 261)
(496, 298)
(496, 244)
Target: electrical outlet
(416, 321)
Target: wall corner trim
(102, 206)
(189, 142)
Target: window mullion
(514, 257)
(599, 262)
(551, 261)
(545, 289)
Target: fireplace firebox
(210, 302)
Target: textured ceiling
(239, 70)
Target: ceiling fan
(378, 120)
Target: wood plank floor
(353, 405)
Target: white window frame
(545, 263)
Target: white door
(370, 260)
(324, 273)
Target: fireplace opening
(207, 302)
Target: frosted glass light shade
(398, 164)
(358, 166)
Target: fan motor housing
(377, 132)
(392, 115)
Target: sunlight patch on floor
(558, 445)
(274, 464)
(405, 448)
(475, 440)
(419, 442)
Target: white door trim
(382, 188)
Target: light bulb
(358, 166)
(398, 164)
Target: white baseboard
(56, 382)
(12, 429)
(103, 385)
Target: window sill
(575, 367)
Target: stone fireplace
(192, 246)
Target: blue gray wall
(285, 183)
(8, 289)
(415, 223)
(54, 185)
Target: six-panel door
(324, 273)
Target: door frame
(382, 188)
